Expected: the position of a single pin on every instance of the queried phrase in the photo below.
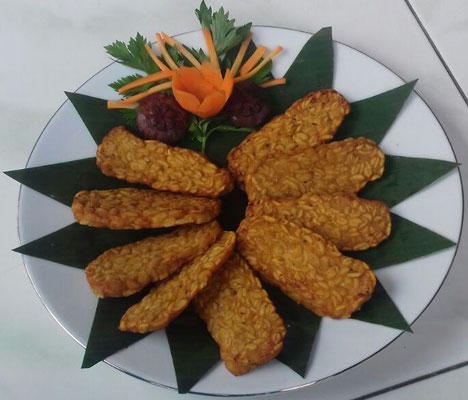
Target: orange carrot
(254, 58)
(272, 53)
(273, 82)
(165, 54)
(240, 55)
(113, 104)
(211, 105)
(228, 83)
(142, 95)
(147, 79)
(182, 50)
(155, 58)
(211, 49)
(170, 41)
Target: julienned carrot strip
(254, 58)
(170, 41)
(228, 83)
(142, 95)
(159, 63)
(272, 53)
(182, 50)
(147, 79)
(165, 54)
(211, 49)
(112, 104)
(273, 82)
(240, 55)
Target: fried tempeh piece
(153, 163)
(168, 299)
(305, 266)
(125, 270)
(344, 166)
(129, 208)
(309, 121)
(240, 317)
(349, 222)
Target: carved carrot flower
(202, 90)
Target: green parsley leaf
(176, 57)
(198, 54)
(133, 54)
(225, 34)
(202, 129)
(127, 79)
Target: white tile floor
(52, 46)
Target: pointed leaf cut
(193, 350)
(95, 115)
(77, 245)
(403, 177)
(301, 327)
(372, 117)
(381, 310)
(105, 339)
(63, 180)
(311, 70)
(406, 242)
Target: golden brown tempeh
(139, 208)
(168, 299)
(308, 122)
(125, 270)
(240, 317)
(153, 163)
(305, 266)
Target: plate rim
(292, 388)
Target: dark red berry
(161, 118)
(245, 107)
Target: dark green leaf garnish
(372, 117)
(381, 310)
(73, 176)
(193, 349)
(406, 242)
(105, 339)
(202, 129)
(403, 177)
(77, 245)
(223, 31)
(133, 54)
(311, 70)
(301, 327)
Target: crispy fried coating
(309, 121)
(349, 222)
(129, 208)
(240, 317)
(168, 299)
(153, 163)
(305, 266)
(344, 166)
(125, 270)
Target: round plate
(339, 344)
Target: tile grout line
(412, 381)
(436, 50)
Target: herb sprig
(223, 30)
(133, 54)
(202, 129)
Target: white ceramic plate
(340, 344)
